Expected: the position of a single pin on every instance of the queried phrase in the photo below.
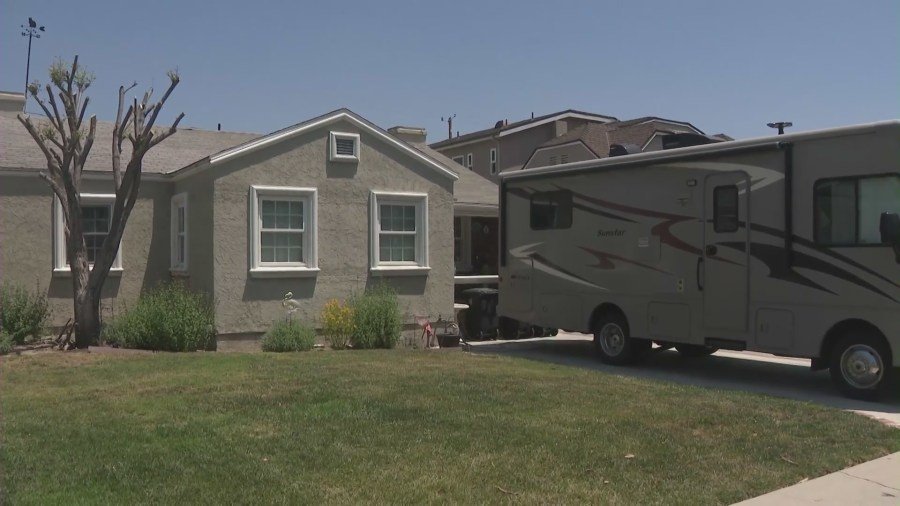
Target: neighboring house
(476, 217)
(323, 208)
(593, 140)
(508, 146)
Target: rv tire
(614, 343)
(695, 350)
(861, 365)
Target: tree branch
(172, 129)
(88, 144)
(174, 82)
(53, 161)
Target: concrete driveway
(748, 371)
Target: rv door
(726, 251)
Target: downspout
(502, 228)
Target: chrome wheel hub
(861, 366)
(612, 339)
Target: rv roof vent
(685, 139)
(624, 149)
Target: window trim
(716, 214)
(332, 149)
(309, 267)
(461, 160)
(571, 209)
(177, 201)
(470, 164)
(815, 216)
(60, 260)
(421, 265)
(493, 161)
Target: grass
(400, 427)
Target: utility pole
(31, 31)
(780, 125)
(449, 121)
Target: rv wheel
(861, 365)
(695, 350)
(613, 342)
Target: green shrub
(23, 315)
(376, 318)
(6, 343)
(168, 318)
(337, 324)
(288, 336)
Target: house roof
(521, 125)
(331, 117)
(188, 145)
(188, 149)
(598, 137)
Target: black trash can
(480, 320)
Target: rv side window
(725, 209)
(551, 210)
(847, 210)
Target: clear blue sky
(261, 65)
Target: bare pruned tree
(66, 145)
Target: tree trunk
(87, 311)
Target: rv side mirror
(890, 228)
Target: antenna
(449, 121)
(31, 31)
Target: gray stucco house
(323, 209)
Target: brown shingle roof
(19, 151)
(496, 130)
(599, 136)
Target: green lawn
(397, 426)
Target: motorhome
(787, 245)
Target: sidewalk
(873, 482)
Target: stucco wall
(516, 148)
(199, 189)
(26, 243)
(248, 304)
(481, 155)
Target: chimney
(413, 135)
(219, 128)
(11, 102)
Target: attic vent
(563, 158)
(344, 147)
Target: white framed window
(460, 160)
(96, 215)
(343, 147)
(469, 163)
(493, 160)
(283, 231)
(399, 232)
(179, 232)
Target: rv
(788, 245)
